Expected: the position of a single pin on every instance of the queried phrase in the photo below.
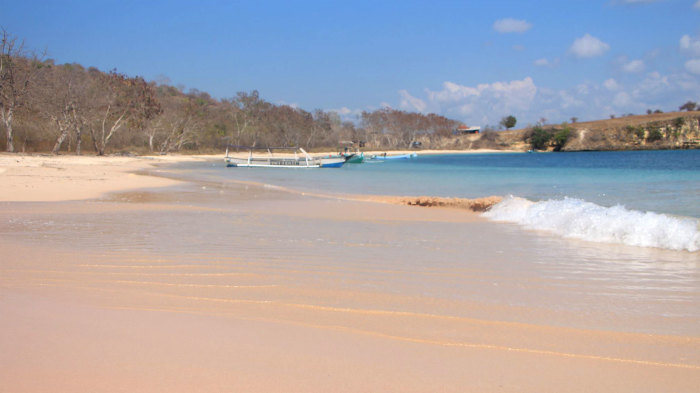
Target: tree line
(64, 107)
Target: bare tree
(180, 120)
(119, 100)
(18, 68)
(248, 113)
(60, 97)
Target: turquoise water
(658, 181)
(639, 198)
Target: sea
(634, 198)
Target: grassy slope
(613, 134)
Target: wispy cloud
(693, 66)
(690, 45)
(633, 66)
(588, 46)
(697, 5)
(483, 104)
(611, 84)
(409, 101)
(541, 62)
(509, 25)
(487, 103)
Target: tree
(247, 110)
(508, 121)
(688, 106)
(574, 119)
(61, 97)
(180, 120)
(119, 100)
(18, 69)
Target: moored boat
(270, 161)
(394, 157)
(354, 158)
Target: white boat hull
(254, 162)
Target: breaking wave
(578, 219)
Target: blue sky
(474, 61)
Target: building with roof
(465, 129)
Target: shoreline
(50, 178)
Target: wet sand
(247, 288)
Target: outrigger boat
(304, 161)
(357, 157)
(395, 157)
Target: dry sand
(128, 307)
(32, 178)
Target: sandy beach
(113, 280)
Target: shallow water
(658, 181)
(645, 198)
(330, 252)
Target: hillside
(68, 108)
(673, 130)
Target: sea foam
(579, 219)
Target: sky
(472, 61)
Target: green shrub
(636, 131)
(655, 134)
(560, 137)
(540, 138)
(678, 122)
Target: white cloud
(292, 105)
(509, 25)
(588, 46)
(544, 62)
(583, 88)
(690, 45)
(611, 84)
(485, 104)
(654, 84)
(347, 114)
(410, 102)
(569, 100)
(518, 48)
(342, 111)
(634, 66)
(693, 66)
(622, 100)
(697, 5)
